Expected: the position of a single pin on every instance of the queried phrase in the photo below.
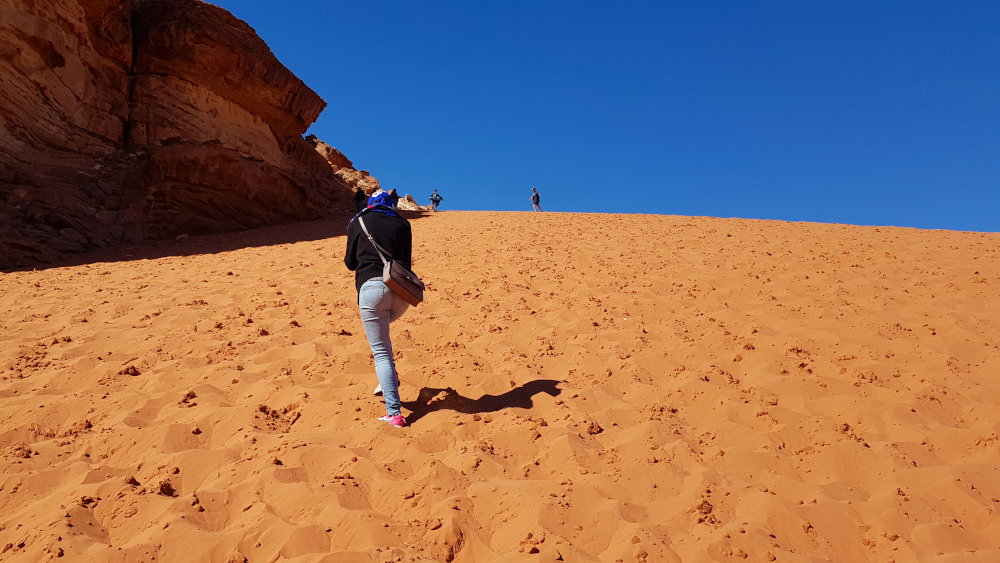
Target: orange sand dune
(581, 387)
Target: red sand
(580, 386)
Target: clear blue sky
(862, 112)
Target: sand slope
(581, 387)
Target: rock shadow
(431, 399)
(215, 243)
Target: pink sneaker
(398, 421)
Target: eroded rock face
(344, 168)
(63, 109)
(207, 46)
(407, 203)
(125, 120)
(219, 122)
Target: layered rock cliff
(343, 167)
(136, 119)
(358, 179)
(63, 106)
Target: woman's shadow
(430, 399)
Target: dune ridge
(581, 387)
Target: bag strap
(378, 248)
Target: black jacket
(391, 233)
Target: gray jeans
(379, 306)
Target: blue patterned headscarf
(381, 202)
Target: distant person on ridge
(395, 197)
(436, 199)
(535, 200)
(360, 199)
(378, 305)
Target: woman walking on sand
(378, 305)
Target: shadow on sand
(273, 235)
(430, 399)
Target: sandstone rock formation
(135, 119)
(408, 203)
(344, 168)
(63, 108)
